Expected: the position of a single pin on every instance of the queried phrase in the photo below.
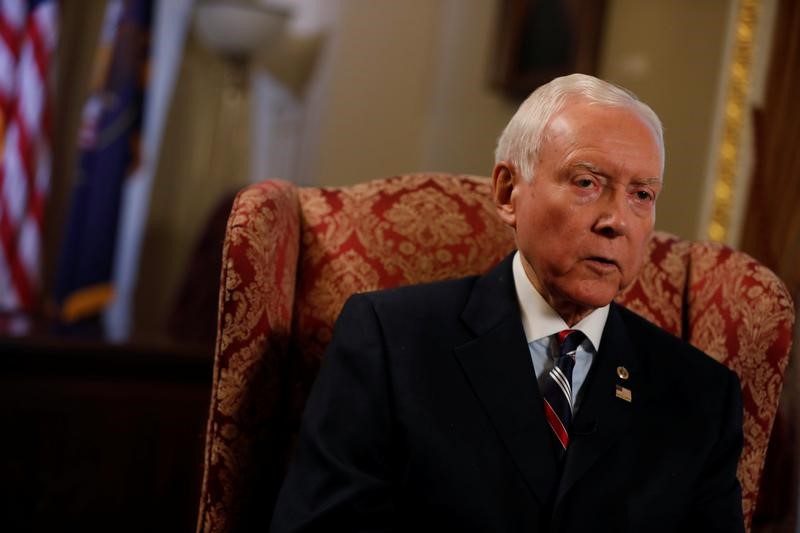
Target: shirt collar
(540, 320)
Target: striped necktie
(557, 388)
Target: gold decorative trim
(736, 106)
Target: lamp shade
(237, 29)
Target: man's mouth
(603, 263)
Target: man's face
(583, 222)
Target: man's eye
(584, 183)
(645, 196)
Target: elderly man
(525, 399)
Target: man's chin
(593, 295)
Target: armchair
(293, 255)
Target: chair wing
(741, 314)
(257, 286)
(292, 256)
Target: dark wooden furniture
(100, 437)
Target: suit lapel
(498, 366)
(603, 417)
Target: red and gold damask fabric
(386, 233)
(245, 434)
(741, 314)
(292, 256)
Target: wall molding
(739, 73)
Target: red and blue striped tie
(557, 388)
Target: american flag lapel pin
(623, 393)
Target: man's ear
(502, 189)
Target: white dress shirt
(541, 323)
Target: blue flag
(108, 144)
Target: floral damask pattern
(339, 278)
(255, 310)
(428, 217)
(292, 256)
(742, 315)
(657, 293)
(404, 230)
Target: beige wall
(378, 94)
(669, 52)
(409, 89)
(465, 115)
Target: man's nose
(612, 216)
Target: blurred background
(128, 125)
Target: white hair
(521, 140)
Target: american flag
(28, 35)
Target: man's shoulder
(447, 292)
(429, 311)
(668, 353)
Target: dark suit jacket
(426, 415)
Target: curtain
(772, 222)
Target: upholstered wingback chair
(293, 255)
